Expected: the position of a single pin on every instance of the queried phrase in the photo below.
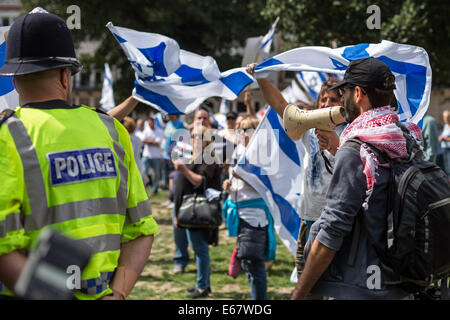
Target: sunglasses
(341, 91)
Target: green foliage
(415, 22)
(205, 27)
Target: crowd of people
(88, 178)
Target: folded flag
(409, 64)
(8, 95)
(172, 80)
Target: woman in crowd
(195, 178)
(247, 213)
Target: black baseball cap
(232, 115)
(367, 73)
(36, 42)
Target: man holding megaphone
(319, 132)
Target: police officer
(67, 167)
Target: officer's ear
(64, 77)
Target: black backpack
(416, 250)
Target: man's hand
(318, 260)
(251, 68)
(114, 296)
(328, 140)
(179, 165)
(226, 185)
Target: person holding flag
(248, 218)
(334, 266)
(320, 147)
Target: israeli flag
(172, 80)
(223, 109)
(159, 121)
(107, 100)
(272, 165)
(312, 81)
(8, 95)
(409, 64)
(293, 94)
(266, 41)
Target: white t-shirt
(137, 146)
(445, 133)
(151, 151)
(316, 177)
(241, 191)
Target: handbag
(251, 242)
(199, 212)
(196, 211)
(235, 265)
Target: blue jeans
(155, 164)
(257, 278)
(181, 244)
(198, 240)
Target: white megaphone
(296, 121)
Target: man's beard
(351, 110)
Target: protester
(43, 145)
(430, 137)
(140, 128)
(151, 156)
(202, 116)
(174, 123)
(194, 178)
(136, 143)
(444, 138)
(246, 210)
(358, 185)
(318, 149)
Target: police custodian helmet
(39, 41)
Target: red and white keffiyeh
(378, 127)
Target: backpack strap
(356, 144)
(5, 114)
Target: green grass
(157, 283)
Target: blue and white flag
(272, 165)
(107, 100)
(293, 94)
(266, 41)
(409, 64)
(312, 81)
(8, 95)
(158, 120)
(172, 80)
(224, 108)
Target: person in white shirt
(152, 155)
(136, 144)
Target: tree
(415, 22)
(206, 27)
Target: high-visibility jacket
(73, 169)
